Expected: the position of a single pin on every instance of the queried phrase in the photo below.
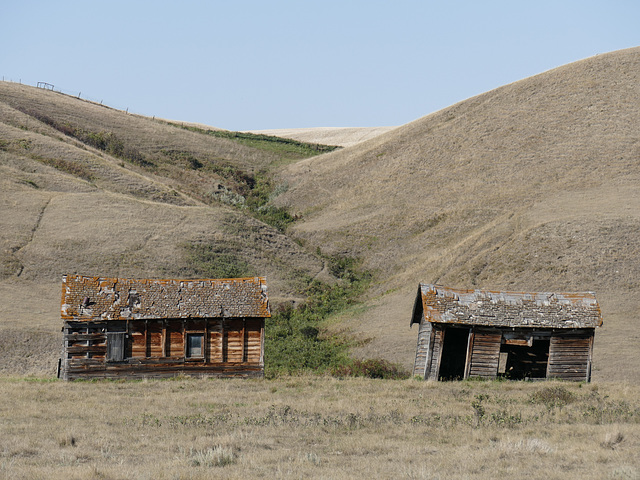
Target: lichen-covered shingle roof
(438, 304)
(86, 298)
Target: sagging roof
(438, 304)
(96, 298)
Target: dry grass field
(317, 427)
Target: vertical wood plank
(225, 341)
(243, 340)
(205, 341)
(467, 363)
(436, 355)
(590, 358)
(262, 328)
(147, 347)
(164, 338)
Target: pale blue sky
(252, 64)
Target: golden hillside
(342, 136)
(534, 186)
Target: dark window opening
(195, 342)
(454, 353)
(523, 362)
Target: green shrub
(554, 396)
(371, 368)
(294, 338)
(287, 148)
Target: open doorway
(521, 361)
(454, 353)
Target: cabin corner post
(262, 333)
(64, 358)
(205, 341)
(467, 363)
(590, 357)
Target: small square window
(195, 342)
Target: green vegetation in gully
(294, 338)
(242, 190)
(287, 148)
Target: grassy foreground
(317, 427)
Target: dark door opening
(454, 353)
(526, 362)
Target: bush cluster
(371, 368)
(213, 261)
(294, 338)
(106, 141)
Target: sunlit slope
(532, 186)
(342, 136)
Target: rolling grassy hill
(534, 186)
(88, 189)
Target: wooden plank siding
(423, 350)
(433, 368)
(124, 327)
(215, 342)
(232, 347)
(154, 339)
(159, 369)
(485, 354)
(253, 340)
(175, 339)
(570, 356)
(234, 338)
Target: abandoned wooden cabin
(117, 327)
(474, 333)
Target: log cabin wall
(159, 328)
(157, 348)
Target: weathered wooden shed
(118, 327)
(479, 333)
